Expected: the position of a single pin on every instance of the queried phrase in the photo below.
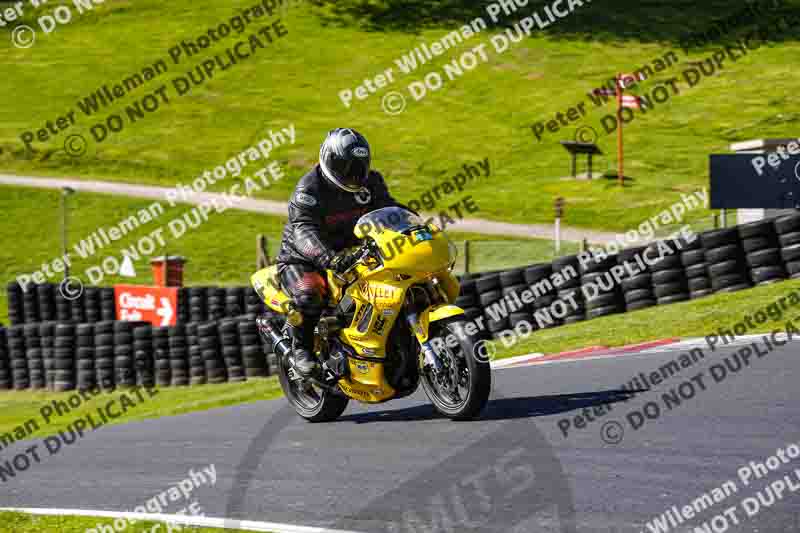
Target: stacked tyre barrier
(530, 276)
(5, 364)
(718, 261)
(30, 306)
(489, 296)
(184, 315)
(15, 309)
(63, 356)
(91, 298)
(178, 356)
(45, 296)
(63, 307)
(17, 359)
(468, 299)
(143, 356)
(77, 310)
(85, 371)
(604, 294)
(636, 288)
(124, 368)
(762, 252)
(725, 259)
(512, 284)
(668, 276)
(234, 301)
(220, 343)
(693, 259)
(161, 359)
(108, 307)
(208, 335)
(33, 353)
(569, 290)
(104, 354)
(197, 304)
(47, 334)
(231, 350)
(197, 367)
(46, 303)
(253, 355)
(215, 303)
(788, 231)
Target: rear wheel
(310, 401)
(460, 391)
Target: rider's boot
(303, 347)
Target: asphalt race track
(398, 467)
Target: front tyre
(461, 390)
(313, 403)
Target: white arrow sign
(165, 311)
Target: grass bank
(25, 523)
(485, 113)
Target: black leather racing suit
(321, 222)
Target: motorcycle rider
(323, 211)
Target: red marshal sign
(157, 305)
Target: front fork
(430, 359)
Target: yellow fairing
(268, 287)
(433, 314)
(409, 254)
(378, 304)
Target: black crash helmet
(344, 158)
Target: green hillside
(329, 47)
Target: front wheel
(460, 391)
(313, 403)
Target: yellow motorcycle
(389, 324)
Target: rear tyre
(313, 403)
(461, 392)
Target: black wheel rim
(450, 386)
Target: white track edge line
(675, 346)
(221, 523)
(516, 359)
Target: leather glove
(342, 261)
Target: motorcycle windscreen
(389, 218)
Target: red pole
(620, 150)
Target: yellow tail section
(268, 287)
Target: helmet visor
(356, 173)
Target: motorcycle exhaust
(281, 345)
(283, 349)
